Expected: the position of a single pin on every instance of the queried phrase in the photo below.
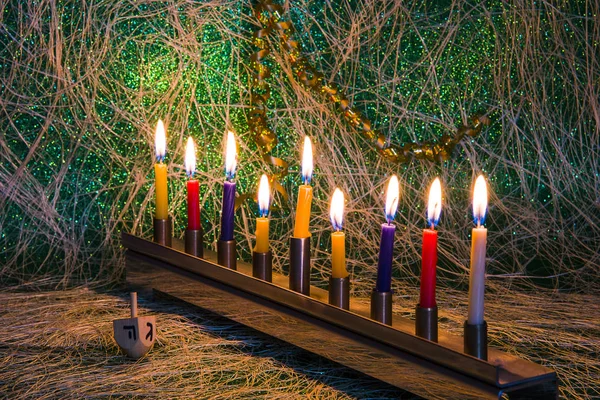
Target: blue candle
(386, 246)
(227, 213)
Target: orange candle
(305, 193)
(338, 238)
(262, 222)
(160, 172)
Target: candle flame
(336, 209)
(190, 157)
(160, 141)
(264, 196)
(434, 205)
(230, 156)
(392, 198)
(480, 200)
(307, 161)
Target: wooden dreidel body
(135, 335)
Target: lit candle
(229, 189)
(478, 245)
(386, 247)
(160, 172)
(193, 187)
(429, 253)
(262, 222)
(338, 239)
(305, 193)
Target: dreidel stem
(134, 305)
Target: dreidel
(135, 335)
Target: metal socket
(300, 265)
(476, 340)
(339, 292)
(262, 266)
(194, 243)
(426, 323)
(162, 231)
(381, 307)
(226, 254)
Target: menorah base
(392, 354)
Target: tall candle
(227, 213)
(262, 222)
(193, 187)
(160, 173)
(429, 252)
(305, 193)
(478, 247)
(386, 245)
(338, 239)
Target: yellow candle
(162, 203)
(338, 238)
(305, 193)
(338, 255)
(262, 235)
(160, 172)
(262, 222)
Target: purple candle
(386, 251)
(386, 246)
(228, 210)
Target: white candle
(478, 246)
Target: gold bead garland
(270, 16)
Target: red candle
(193, 187)
(429, 254)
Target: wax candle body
(428, 267)
(193, 204)
(228, 211)
(338, 255)
(477, 276)
(262, 235)
(386, 251)
(305, 195)
(162, 202)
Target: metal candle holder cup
(300, 265)
(262, 266)
(162, 231)
(339, 292)
(226, 254)
(476, 340)
(381, 307)
(194, 243)
(426, 323)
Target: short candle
(262, 222)
(228, 210)
(386, 246)
(160, 172)
(429, 252)
(478, 247)
(338, 238)
(193, 187)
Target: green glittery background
(83, 84)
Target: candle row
(426, 323)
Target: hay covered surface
(58, 344)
